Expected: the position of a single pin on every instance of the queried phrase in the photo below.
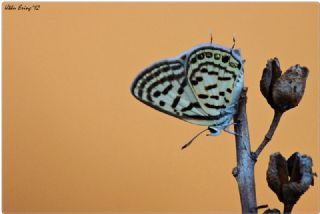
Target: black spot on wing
(213, 73)
(204, 70)
(156, 93)
(234, 76)
(214, 97)
(147, 79)
(229, 90)
(199, 79)
(200, 56)
(214, 106)
(193, 60)
(208, 87)
(162, 103)
(194, 82)
(224, 78)
(175, 102)
(225, 58)
(203, 96)
(190, 106)
(182, 86)
(156, 73)
(196, 105)
(167, 89)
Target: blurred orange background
(75, 139)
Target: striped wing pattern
(216, 78)
(196, 86)
(164, 87)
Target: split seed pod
(289, 179)
(283, 91)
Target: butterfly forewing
(216, 78)
(164, 86)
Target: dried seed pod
(283, 91)
(289, 179)
(289, 88)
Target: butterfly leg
(233, 123)
(227, 129)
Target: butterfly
(201, 85)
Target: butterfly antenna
(234, 42)
(188, 144)
(211, 37)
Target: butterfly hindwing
(216, 78)
(164, 86)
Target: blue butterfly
(201, 86)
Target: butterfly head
(236, 53)
(214, 131)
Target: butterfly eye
(217, 56)
(213, 131)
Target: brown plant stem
(276, 119)
(244, 171)
(287, 208)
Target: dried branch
(244, 171)
(268, 136)
(288, 208)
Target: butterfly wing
(215, 76)
(164, 86)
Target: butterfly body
(201, 86)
